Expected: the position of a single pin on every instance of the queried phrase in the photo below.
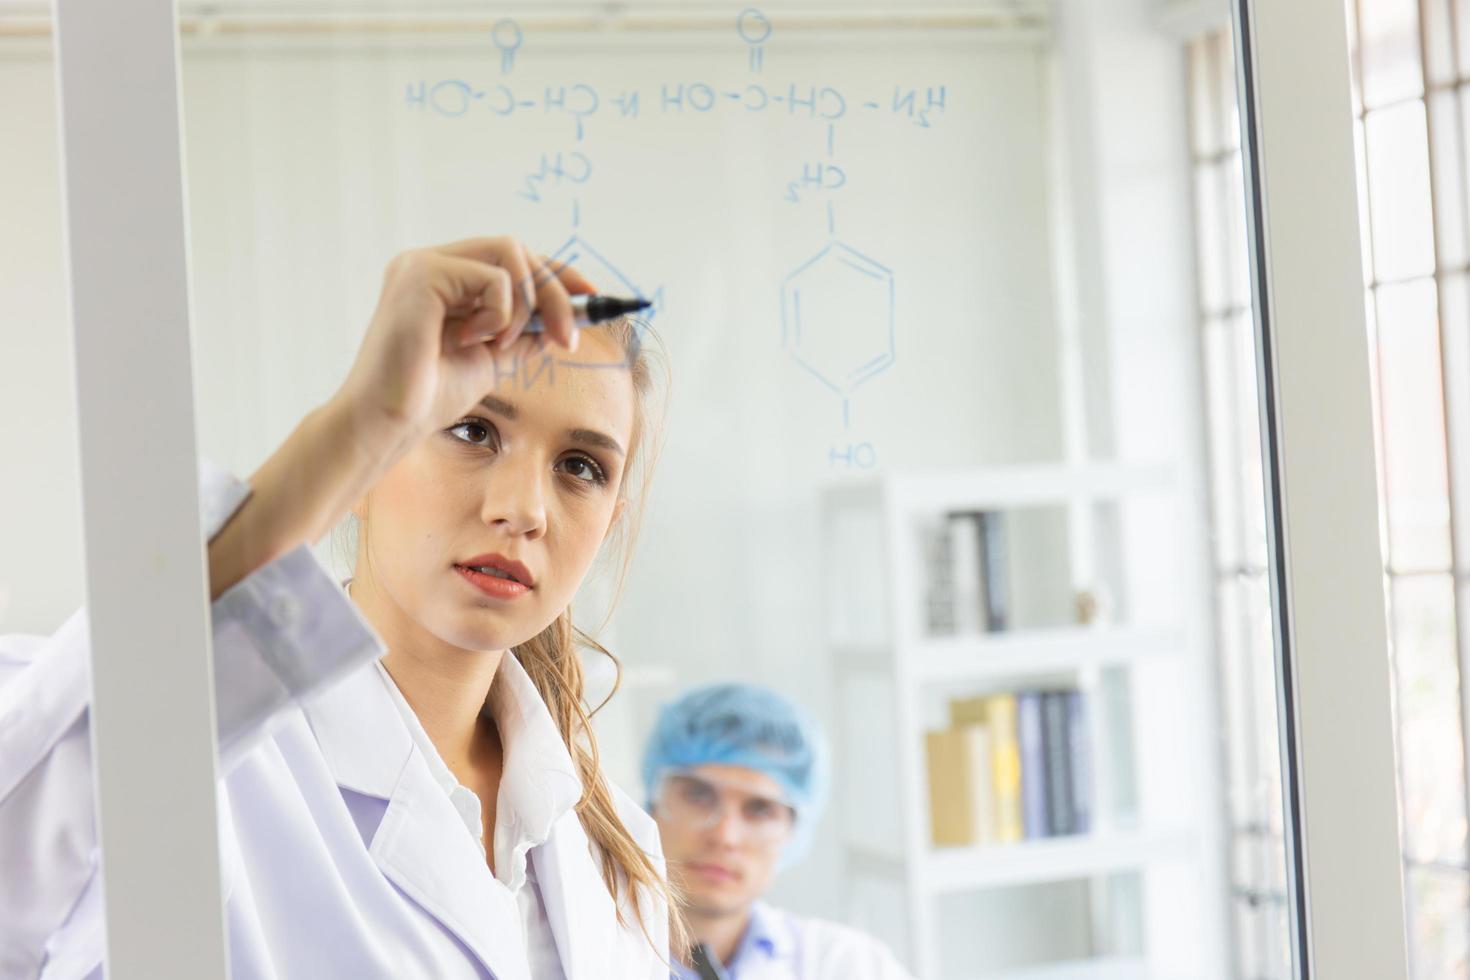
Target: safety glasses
(702, 802)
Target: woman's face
(483, 532)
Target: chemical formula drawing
(837, 309)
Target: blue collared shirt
(778, 945)
(758, 943)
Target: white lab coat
(781, 945)
(342, 852)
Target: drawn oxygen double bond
(837, 319)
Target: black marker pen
(588, 311)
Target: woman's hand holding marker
(428, 356)
(443, 313)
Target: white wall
(40, 497)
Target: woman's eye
(583, 468)
(474, 433)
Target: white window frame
(1345, 876)
(147, 575)
(152, 713)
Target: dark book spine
(993, 570)
(1058, 766)
(1081, 761)
(1030, 727)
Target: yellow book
(961, 790)
(951, 821)
(997, 714)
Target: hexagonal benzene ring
(837, 317)
(590, 263)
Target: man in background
(736, 777)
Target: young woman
(410, 785)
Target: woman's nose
(515, 496)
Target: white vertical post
(1346, 875)
(147, 598)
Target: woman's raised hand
(443, 315)
(428, 356)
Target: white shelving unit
(1157, 817)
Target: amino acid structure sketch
(837, 307)
(837, 319)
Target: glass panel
(1249, 678)
(1260, 954)
(1398, 190)
(1415, 452)
(1223, 45)
(1088, 773)
(1222, 386)
(1430, 735)
(1455, 336)
(1390, 51)
(40, 504)
(1240, 276)
(1355, 59)
(1439, 940)
(1204, 121)
(1370, 319)
(1439, 40)
(1360, 146)
(1251, 475)
(1213, 257)
(1462, 130)
(1461, 18)
(1450, 216)
(1412, 410)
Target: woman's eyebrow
(594, 438)
(500, 407)
(590, 437)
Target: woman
(438, 812)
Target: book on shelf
(1010, 767)
(996, 713)
(994, 569)
(968, 584)
(940, 603)
(965, 574)
(962, 792)
(1081, 762)
(1035, 816)
(1057, 753)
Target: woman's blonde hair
(552, 660)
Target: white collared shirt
(511, 867)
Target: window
(1411, 101)
(1242, 588)
(1411, 94)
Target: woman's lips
(493, 586)
(509, 567)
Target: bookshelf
(1006, 655)
(1144, 882)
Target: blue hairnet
(750, 726)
